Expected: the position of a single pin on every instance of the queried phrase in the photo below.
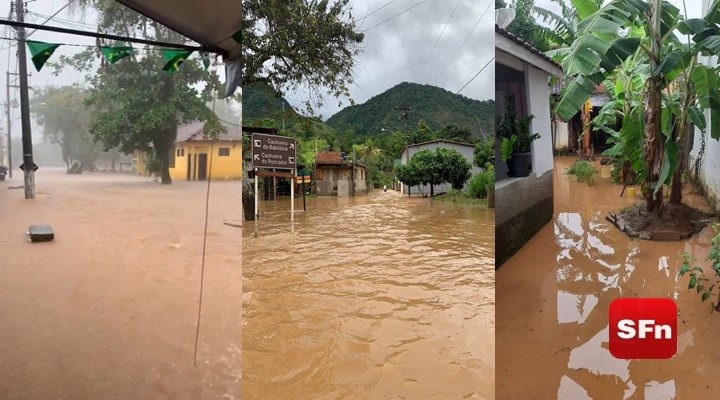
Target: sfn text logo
(643, 328)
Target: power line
(396, 15)
(438, 40)
(475, 76)
(465, 41)
(100, 35)
(51, 17)
(67, 22)
(376, 10)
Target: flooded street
(377, 296)
(108, 309)
(553, 298)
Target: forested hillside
(438, 107)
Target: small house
(336, 176)
(524, 204)
(194, 157)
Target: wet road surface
(108, 309)
(553, 298)
(379, 296)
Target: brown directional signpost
(277, 152)
(272, 151)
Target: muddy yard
(108, 309)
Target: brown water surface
(377, 296)
(108, 309)
(553, 298)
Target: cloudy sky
(439, 42)
(395, 49)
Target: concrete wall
(561, 135)
(709, 172)
(524, 206)
(343, 188)
(324, 188)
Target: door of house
(202, 166)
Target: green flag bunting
(41, 52)
(115, 54)
(238, 36)
(175, 58)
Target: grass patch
(460, 198)
(583, 171)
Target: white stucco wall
(561, 136)
(538, 101)
(710, 170)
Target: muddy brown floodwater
(108, 309)
(374, 297)
(553, 298)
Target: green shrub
(583, 171)
(479, 184)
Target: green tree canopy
(65, 120)
(308, 44)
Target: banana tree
(625, 88)
(608, 36)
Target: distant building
(192, 154)
(408, 152)
(334, 176)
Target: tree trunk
(432, 191)
(684, 132)
(653, 139)
(163, 143)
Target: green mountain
(438, 107)
(261, 101)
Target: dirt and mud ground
(108, 309)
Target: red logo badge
(643, 328)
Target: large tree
(65, 121)
(308, 44)
(136, 104)
(610, 34)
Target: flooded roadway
(377, 296)
(553, 298)
(108, 309)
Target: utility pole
(28, 164)
(405, 112)
(9, 124)
(8, 106)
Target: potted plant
(515, 140)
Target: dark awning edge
(211, 23)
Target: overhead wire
(475, 76)
(464, 41)
(437, 41)
(376, 10)
(394, 16)
(51, 17)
